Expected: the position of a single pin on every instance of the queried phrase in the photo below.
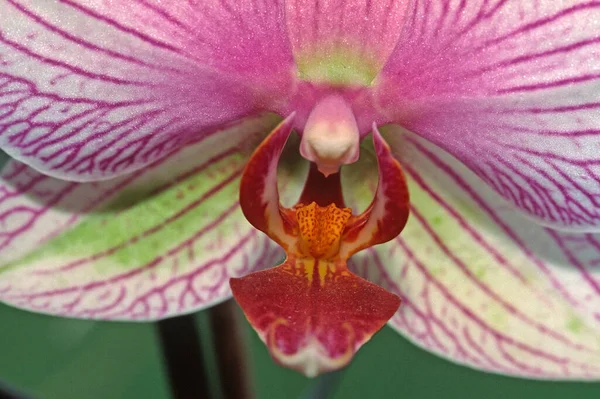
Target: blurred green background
(52, 358)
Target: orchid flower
(154, 161)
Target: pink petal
(156, 243)
(369, 29)
(511, 89)
(480, 284)
(93, 89)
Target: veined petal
(512, 89)
(156, 243)
(483, 286)
(343, 41)
(93, 89)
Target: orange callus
(321, 229)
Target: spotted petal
(480, 284)
(512, 89)
(92, 89)
(159, 242)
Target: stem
(7, 392)
(230, 351)
(183, 358)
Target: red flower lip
(311, 311)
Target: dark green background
(53, 358)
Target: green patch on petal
(484, 286)
(291, 172)
(575, 324)
(437, 221)
(163, 217)
(337, 65)
(359, 180)
(159, 242)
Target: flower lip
(311, 311)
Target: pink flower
(491, 110)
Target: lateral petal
(159, 242)
(482, 285)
